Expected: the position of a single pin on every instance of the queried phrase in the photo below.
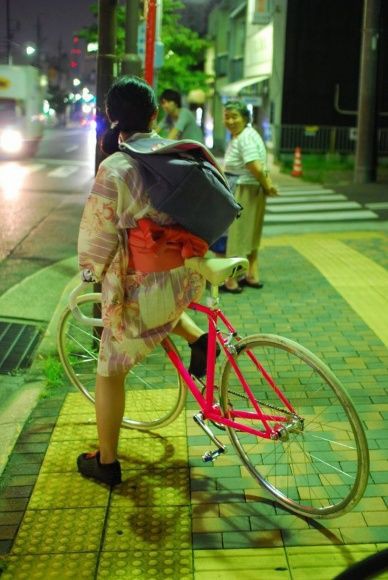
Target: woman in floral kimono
(139, 308)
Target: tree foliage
(184, 49)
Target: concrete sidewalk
(175, 517)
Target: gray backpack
(183, 180)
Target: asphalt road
(42, 200)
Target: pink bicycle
(287, 416)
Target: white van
(21, 110)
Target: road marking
(71, 148)
(34, 167)
(329, 216)
(67, 162)
(63, 171)
(303, 191)
(377, 205)
(297, 199)
(315, 206)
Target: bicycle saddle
(217, 270)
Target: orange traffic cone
(297, 167)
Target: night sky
(59, 20)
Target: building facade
(296, 64)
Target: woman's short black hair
(130, 104)
(240, 107)
(171, 95)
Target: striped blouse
(246, 147)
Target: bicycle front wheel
(155, 394)
(319, 466)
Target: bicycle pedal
(212, 455)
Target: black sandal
(89, 465)
(236, 290)
(244, 282)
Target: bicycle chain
(264, 404)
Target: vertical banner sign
(150, 42)
(263, 12)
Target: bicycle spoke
(318, 465)
(154, 391)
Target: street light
(30, 50)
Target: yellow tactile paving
(154, 487)
(151, 452)
(362, 282)
(76, 404)
(359, 280)
(39, 532)
(150, 565)
(67, 490)
(162, 399)
(152, 528)
(51, 567)
(150, 510)
(60, 456)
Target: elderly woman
(246, 164)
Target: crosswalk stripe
(70, 162)
(62, 171)
(311, 193)
(314, 203)
(329, 216)
(377, 205)
(34, 167)
(315, 206)
(299, 198)
(304, 190)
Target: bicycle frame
(209, 408)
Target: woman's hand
(272, 191)
(262, 177)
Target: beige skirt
(244, 234)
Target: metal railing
(322, 139)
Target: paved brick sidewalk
(175, 517)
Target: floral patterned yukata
(139, 310)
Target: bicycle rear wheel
(155, 394)
(320, 467)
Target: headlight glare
(11, 141)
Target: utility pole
(159, 47)
(150, 42)
(8, 32)
(38, 53)
(365, 169)
(131, 64)
(106, 60)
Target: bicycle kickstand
(209, 455)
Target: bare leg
(187, 329)
(110, 397)
(253, 268)
(110, 401)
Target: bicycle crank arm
(221, 448)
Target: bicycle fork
(221, 448)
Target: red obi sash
(155, 248)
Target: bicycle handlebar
(74, 307)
